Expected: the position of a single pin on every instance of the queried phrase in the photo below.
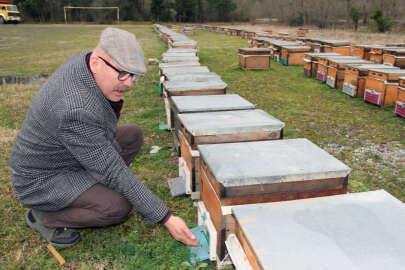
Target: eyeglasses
(122, 75)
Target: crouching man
(69, 163)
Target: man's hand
(179, 230)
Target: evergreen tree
(157, 8)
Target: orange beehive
(311, 62)
(336, 46)
(376, 54)
(394, 57)
(362, 51)
(254, 58)
(336, 70)
(323, 64)
(293, 55)
(382, 86)
(400, 103)
(355, 78)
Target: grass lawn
(368, 139)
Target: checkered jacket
(67, 145)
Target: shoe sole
(32, 226)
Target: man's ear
(94, 64)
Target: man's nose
(129, 82)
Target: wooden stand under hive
(254, 58)
(280, 170)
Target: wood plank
(247, 247)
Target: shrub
(383, 24)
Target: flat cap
(124, 50)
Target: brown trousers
(100, 206)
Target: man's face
(111, 80)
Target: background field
(368, 139)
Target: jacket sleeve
(84, 136)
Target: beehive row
(372, 72)
(236, 163)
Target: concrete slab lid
(340, 57)
(400, 72)
(181, 85)
(358, 231)
(201, 76)
(322, 54)
(296, 48)
(369, 45)
(181, 50)
(209, 103)
(184, 70)
(368, 66)
(178, 54)
(179, 64)
(350, 61)
(270, 162)
(180, 58)
(255, 49)
(230, 122)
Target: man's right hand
(179, 230)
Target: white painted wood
(238, 255)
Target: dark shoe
(60, 237)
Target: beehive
(222, 127)
(311, 62)
(254, 58)
(206, 103)
(359, 231)
(355, 78)
(382, 86)
(293, 55)
(323, 63)
(265, 171)
(336, 70)
(394, 57)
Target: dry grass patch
(363, 36)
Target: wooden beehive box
(293, 55)
(323, 63)
(358, 231)
(336, 71)
(222, 127)
(254, 58)
(354, 82)
(265, 171)
(400, 103)
(200, 104)
(382, 86)
(394, 57)
(376, 54)
(337, 46)
(311, 62)
(275, 46)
